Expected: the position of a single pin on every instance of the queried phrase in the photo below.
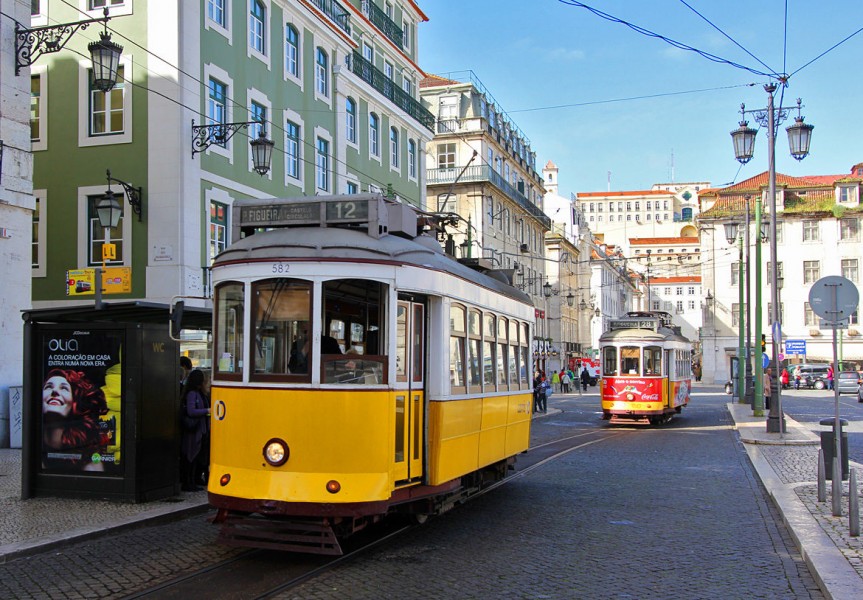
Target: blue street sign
(765, 360)
(795, 346)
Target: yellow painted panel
(494, 412)
(326, 431)
(492, 445)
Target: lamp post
(799, 137)
(649, 251)
(731, 231)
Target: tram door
(409, 404)
(670, 375)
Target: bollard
(853, 505)
(822, 479)
(837, 488)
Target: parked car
(848, 382)
(814, 375)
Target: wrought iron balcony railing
(380, 20)
(335, 12)
(386, 86)
(481, 173)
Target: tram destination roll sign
(304, 213)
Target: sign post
(835, 299)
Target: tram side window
(513, 355)
(609, 361)
(525, 377)
(457, 348)
(229, 330)
(629, 360)
(352, 332)
(488, 355)
(653, 360)
(281, 317)
(473, 346)
(502, 354)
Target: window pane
(229, 342)
(283, 342)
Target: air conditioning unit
(524, 248)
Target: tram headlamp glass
(630, 396)
(276, 452)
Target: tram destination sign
(304, 213)
(651, 324)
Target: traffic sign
(765, 360)
(795, 346)
(834, 298)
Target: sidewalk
(787, 465)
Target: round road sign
(834, 298)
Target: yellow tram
(646, 368)
(358, 371)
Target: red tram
(646, 369)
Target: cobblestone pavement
(670, 512)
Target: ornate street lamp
(570, 299)
(32, 43)
(744, 139)
(262, 153)
(204, 136)
(799, 135)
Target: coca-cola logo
(650, 397)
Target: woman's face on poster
(57, 396)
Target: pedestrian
(830, 377)
(585, 378)
(696, 371)
(555, 381)
(798, 376)
(186, 366)
(766, 381)
(195, 425)
(564, 381)
(783, 378)
(547, 391)
(537, 390)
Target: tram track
(262, 574)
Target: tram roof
(355, 245)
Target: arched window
(394, 147)
(257, 14)
(351, 120)
(374, 135)
(322, 70)
(292, 51)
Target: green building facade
(333, 84)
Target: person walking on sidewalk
(830, 377)
(564, 381)
(798, 376)
(555, 381)
(766, 380)
(585, 378)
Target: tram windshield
(653, 360)
(630, 360)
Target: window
(811, 271)
(609, 361)
(474, 363)
(690, 290)
(39, 238)
(228, 338)
(35, 108)
(322, 165)
(691, 305)
(678, 307)
(258, 114)
(502, 353)
(446, 156)
(407, 85)
(848, 194)
(281, 318)
(292, 51)
(810, 319)
(770, 312)
(810, 231)
(292, 150)
(107, 108)
(735, 273)
(257, 13)
(97, 236)
(849, 269)
(374, 135)
(781, 272)
(322, 86)
(351, 120)
(457, 348)
(394, 148)
(412, 159)
(216, 12)
(849, 230)
(678, 291)
(218, 228)
(95, 4)
(735, 314)
(630, 359)
(352, 188)
(217, 103)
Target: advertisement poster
(81, 401)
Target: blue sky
(535, 54)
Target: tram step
(308, 537)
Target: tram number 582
(281, 267)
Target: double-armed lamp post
(799, 137)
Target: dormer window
(847, 194)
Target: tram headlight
(630, 396)
(276, 452)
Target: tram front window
(282, 319)
(629, 360)
(609, 361)
(353, 334)
(229, 330)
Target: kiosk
(101, 401)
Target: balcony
(386, 25)
(366, 71)
(334, 11)
(484, 173)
